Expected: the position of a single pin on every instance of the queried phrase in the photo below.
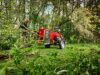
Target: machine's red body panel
(51, 36)
(41, 32)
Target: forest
(49, 37)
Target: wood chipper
(50, 38)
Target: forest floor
(69, 50)
(53, 55)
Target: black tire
(61, 42)
(47, 46)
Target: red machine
(50, 37)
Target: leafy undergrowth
(74, 59)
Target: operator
(24, 26)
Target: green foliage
(78, 24)
(81, 19)
(7, 36)
(73, 60)
(2, 71)
(18, 56)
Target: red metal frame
(52, 34)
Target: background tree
(53, 13)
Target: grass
(45, 61)
(70, 48)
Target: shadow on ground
(52, 47)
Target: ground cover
(74, 59)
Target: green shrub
(7, 41)
(79, 64)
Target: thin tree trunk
(6, 8)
